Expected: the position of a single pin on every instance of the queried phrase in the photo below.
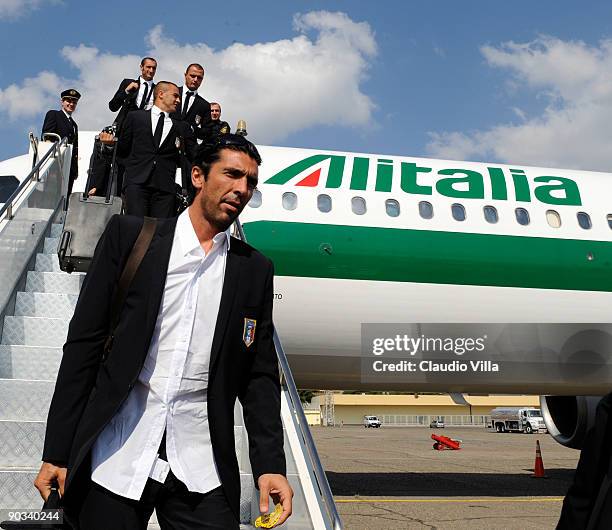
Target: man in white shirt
(133, 94)
(151, 426)
(136, 93)
(194, 109)
(152, 145)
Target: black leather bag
(53, 502)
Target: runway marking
(537, 499)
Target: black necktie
(143, 101)
(186, 107)
(159, 129)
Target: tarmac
(391, 478)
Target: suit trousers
(175, 506)
(144, 201)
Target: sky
(518, 82)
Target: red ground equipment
(444, 442)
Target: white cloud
(12, 9)
(279, 87)
(572, 131)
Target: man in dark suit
(194, 109)
(151, 425)
(132, 94)
(152, 145)
(61, 122)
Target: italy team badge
(248, 335)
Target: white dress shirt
(141, 91)
(171, 391)
(155, 111)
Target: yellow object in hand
(269, 520)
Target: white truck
(517, 419)
(371, 421)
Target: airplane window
(358, 205)
(324, 203)
(553, 218)
(490, 213)
(458, 212)
(392, 207)
(522, 216)
(609, 220)
(289, 200)
(425, 210)
(255, 201)
(584, 220)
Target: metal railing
(6, 211)
(302, 423)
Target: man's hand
(278, 488)
(92, 191)
(48, 476)
(133, 85)
(107, 138)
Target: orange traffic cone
(538, 471)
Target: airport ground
(391, 478)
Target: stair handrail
(34, 145)
(302, 423)
(7, 209)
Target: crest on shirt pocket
(248, 334)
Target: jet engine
(568, 418)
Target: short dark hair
(162, 85)
(196, 65)
(209, 153)
(147, 59)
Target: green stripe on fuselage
(401, 255)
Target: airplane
(517, 259)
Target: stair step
(56, 229)
(47, 263)
(25, 400)
(51, 244)
(54, 282)
(17, 489)
(21, 443)
(34, 331)
(29, 362)
(47, 305)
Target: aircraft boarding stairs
(37, 300)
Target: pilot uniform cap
(71, 93)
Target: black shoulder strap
(133, 262)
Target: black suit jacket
(213, 129)
(593, 473)
(88, 392)
(126, 102)
(57, 122)
(144, 162)
(198, 115)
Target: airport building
(411, 409)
